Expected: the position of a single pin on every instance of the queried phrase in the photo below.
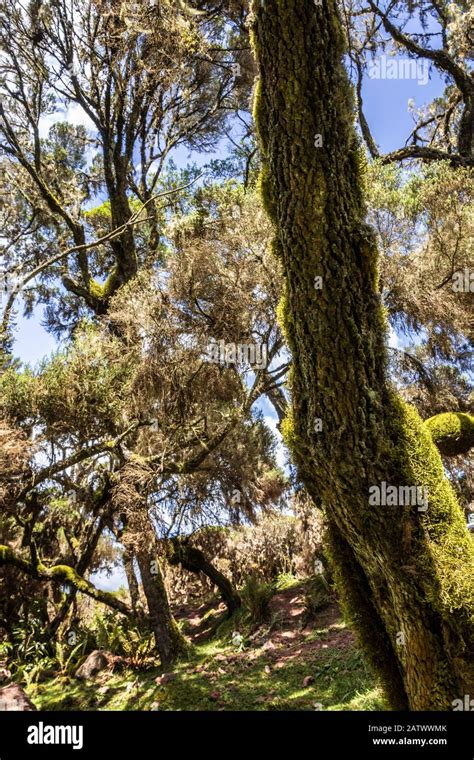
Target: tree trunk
(193, 560)
(405, 573)
(170, 643)
(133, 588)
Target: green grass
(221, 676)
(342, 681)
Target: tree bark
(132, 581)
(179, 552)
(170, 642)
(405, 575)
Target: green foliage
(28, 641)
(286, 580)
(256, 596)
(16, 393)
(122, 637)
(316, 595)
(80, 389)
(100, 213)
(342, 681)
(32, 657)
(66, 658)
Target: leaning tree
(405, 575)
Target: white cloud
(393, 339)
(281, 451)
(74, 114)
(110, 582)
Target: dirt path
(287, 635)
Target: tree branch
(418, 151)
(64, 575)
(452, 432)
(440, 57)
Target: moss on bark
(453, 432)
(406, 575)
(62, 574)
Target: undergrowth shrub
(275, 546)
(256, 596)
(129, 639)
(317, 595)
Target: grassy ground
(281, 665)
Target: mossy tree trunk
(133, 587)
(170, 642)
(63, 575)
(138, 538)
(405, 575)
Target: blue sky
(386, 107)
(387, 111)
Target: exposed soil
(287, 634)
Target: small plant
(6, 648)
(27, 655)
(256, 596)
(138, 647)
(285, 581)
(126, 639)
(238, 641)
(317, 595)
(66, 658)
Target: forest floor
(287, 663)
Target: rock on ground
(95, 662)
(13, 697)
